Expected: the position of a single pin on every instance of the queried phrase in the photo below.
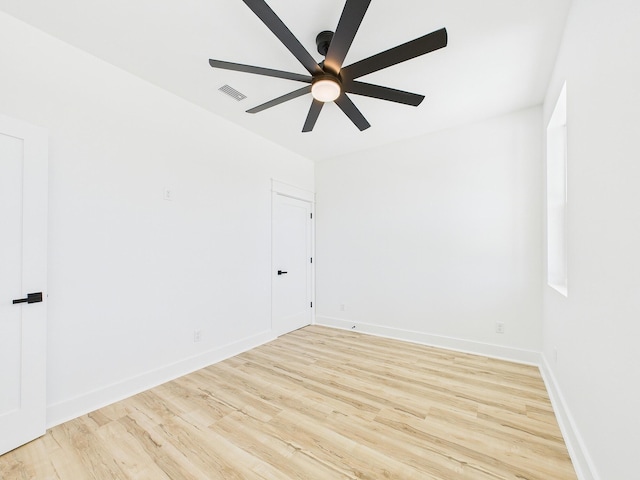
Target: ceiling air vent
(232, 92)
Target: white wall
(596, 330)
(438, 238)
(131, 276)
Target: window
(557, 195)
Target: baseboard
(88, 402)
(529, 357)
(582, 462)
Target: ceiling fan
(328, 80)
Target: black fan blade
(282, 99)
(401, 53)
(280, 30)
(383, 93)
(351, 111)
(238, 67)
(350, 21)
(312, 116)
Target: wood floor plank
(318, 403)
(278, 447)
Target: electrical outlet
(167, 194)
(499, 327)
(197, 336)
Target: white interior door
(292, 268)
(23, 249)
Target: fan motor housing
(323, 40)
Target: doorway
(292, 259)
(23, 259)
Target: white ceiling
(499, 59)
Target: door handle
(280, 272)
(31, 298)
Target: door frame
(284, 189)
(34, 279)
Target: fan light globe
(326, 90)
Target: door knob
(31, 298)
(280, 272)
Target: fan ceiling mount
(329, 80)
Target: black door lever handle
(280, 272)
(31, 298)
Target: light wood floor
(317, 403)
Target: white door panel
(23, 202)
(292, 268)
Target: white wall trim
(81, 405)
(69, 409)
(582, 461)
(529, 357)
(292, 191)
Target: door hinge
(311, 260)
(311, 215)
(311, 304)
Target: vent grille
(232, 92)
